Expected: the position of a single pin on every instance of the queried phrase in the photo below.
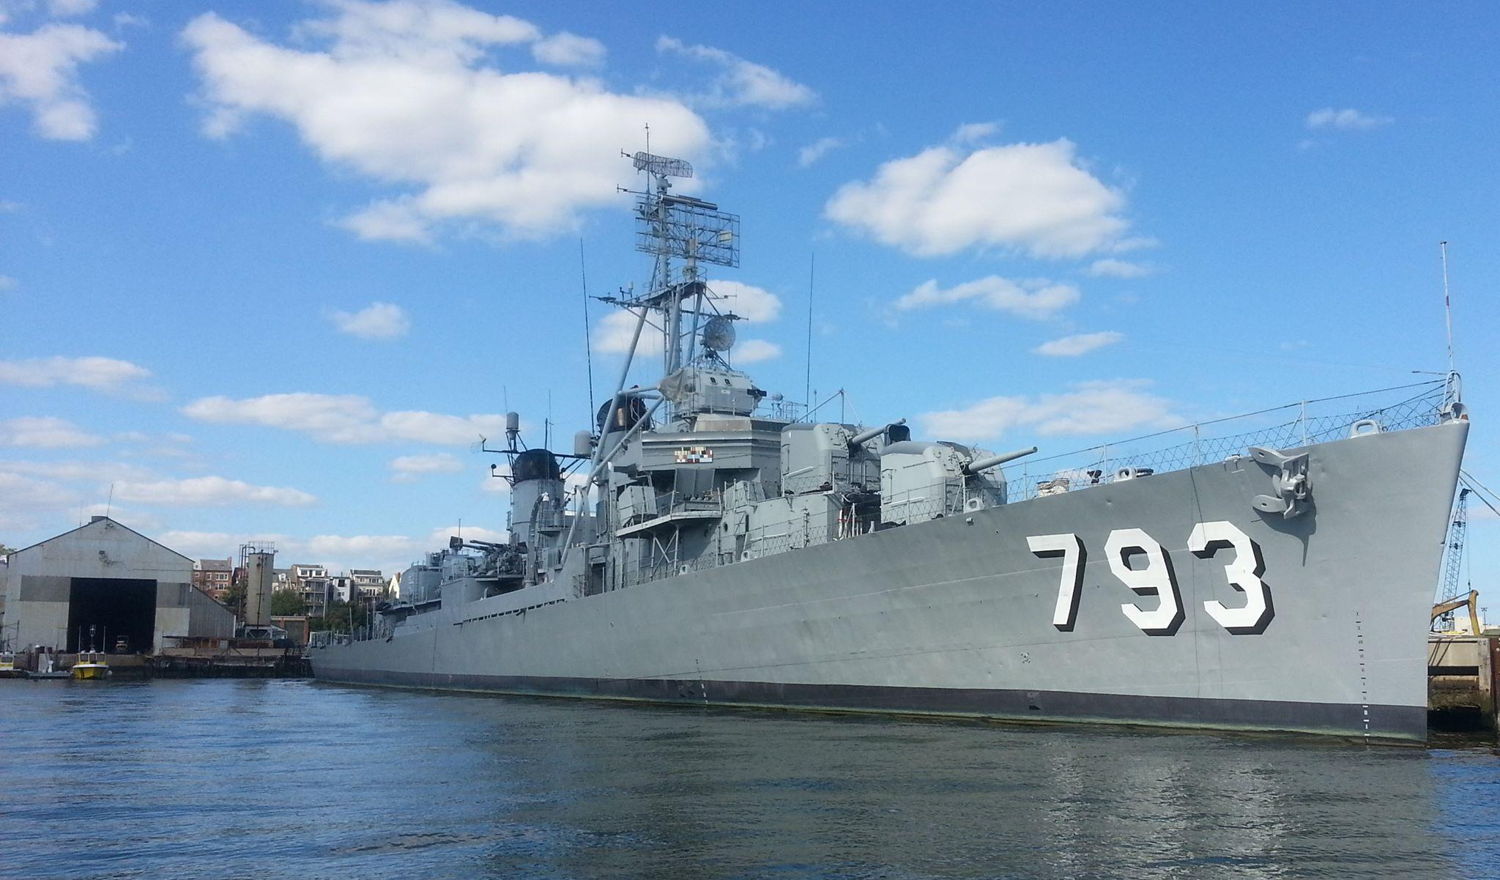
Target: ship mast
(682, 233)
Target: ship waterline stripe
(1354, 720)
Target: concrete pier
(1461, 682)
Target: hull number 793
(1152, 576)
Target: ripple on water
(289, 779)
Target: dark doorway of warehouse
(115, 608)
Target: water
(291, 779)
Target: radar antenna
(683, 233)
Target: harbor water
(293, 779)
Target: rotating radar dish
(718, 334)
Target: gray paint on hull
(1395, 723)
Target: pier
(1461, 682)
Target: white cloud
(612, 334)
(1102, 407)
(404, 94)
(1034, 298)
(99, 373)
(740, 83)
(347, 418)
(209, 492)
(23, 501)
(1034, 198)
(1082, 343)
(755, 304)
(7, 283)
(40, 70)
(376, 321)
(974, 132)
(1347, 119)
(44, 432)
(752, 351)
(340, 553)
(407, 468)
(332, 418)
(1112, 268)
(817, 150)
(569, 50)
(91, 472)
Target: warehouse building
(105, 582)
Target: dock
(1461, 682)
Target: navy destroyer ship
(708, 543)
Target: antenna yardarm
(663, 166)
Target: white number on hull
(1156, 578)
(1070, 548)
(1243, 575)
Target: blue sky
(268, 269)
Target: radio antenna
(588, 348)
(812, 277)
(1447, 304)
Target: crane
(1453, 567)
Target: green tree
(6, 549)
(287, 603)
(234, 600)
(341, 617)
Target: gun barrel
(985, 464)
(872, 433)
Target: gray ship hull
(964, 616)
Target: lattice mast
(682, 233)
(1458, 528)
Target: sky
(269, 270)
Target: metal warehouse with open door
(106, 586)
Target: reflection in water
(277, 779)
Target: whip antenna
(588, 348)
(1447, 304)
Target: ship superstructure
(705, 541)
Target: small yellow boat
(90, 666)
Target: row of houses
(312, 582)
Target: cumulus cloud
(340, 553)
(92, 472)
(209, 492)
(45, 432)
(1347, 119)
(344, 418)
(569, 50)
(752, 351)
(407, 468)
(1034, 298)
(1102, 407)
(1036, 199)
(98, 373)
(376, 321)
(406, 94)
(1082, 343)
(740, 83)
(40, 71)
(1113, 268)
(24, 500)
(817, 150)
(755, 304)
(613, 332)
